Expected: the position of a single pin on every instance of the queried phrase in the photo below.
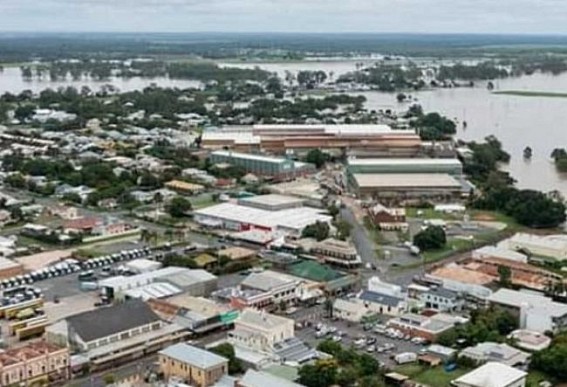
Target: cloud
(477, 16)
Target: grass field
(527, 93)
(435, 376)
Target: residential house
(381, 303)
(193, 365)
(84, 226)
(64, 212)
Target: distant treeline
(23, 47)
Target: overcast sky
(433, 16)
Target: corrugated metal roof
(194, 356)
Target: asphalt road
(362, 241)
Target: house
(184, 187)
(64, 212)
(34, 230)
(389, 219)
(196, 366)
(496, 352)
(530, 340)
(82, 225)
(116, 334)
(534, 311)
(37, 363)
(348, 310)
(260, 331)
(492, 374)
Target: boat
(527, 152)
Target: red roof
(82, 223)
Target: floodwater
(538, 122)
(11, 80)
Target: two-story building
(37, 363)
(259, 330)
(195, 366)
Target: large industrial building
(407, 178)
(270, 213)
(298, 139)
(277, 168)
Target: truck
(405, 357)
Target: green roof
(314, 271)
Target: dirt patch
(484, 217)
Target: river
(11, 80)
(538, 122)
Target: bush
(433, 237)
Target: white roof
(194, 356)
(293, 218)
(491, 374)
(245, 137)
(155, 290)
(335, 129)
(407, 180)
(262, 379)
(143, 264)
(535, 302)
(272, 199)
(178, 276)
(250, 156)
(261, 319)
(405, 161)
(497, 252)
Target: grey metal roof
(380, 298)
(262, 379)
(194, 356)
(443, 292)
(104, 322)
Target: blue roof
(194, 356)
(380, 298)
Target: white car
(337, 338)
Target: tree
(318, 230)
(552, 360)
(227, 350)
(109, 379)
(433, 237)
(401, 97)
(333, 210)
(505, 276)
(178, 207)
(321, 374)
(344, 229)
(317, 157)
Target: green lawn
(434, 377)
(533, 93)
(430, 213)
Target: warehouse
(242, 218)
(272, 202)
(407, 186)
(277, 168)
(299, 139)
(451, 167)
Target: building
(184, 187)
(142, 265)
(260, 330)
(348, 310)
(407, 186)
(253, 378)
(82, 225)
(549, 246)
(441, 300)
(496, 352)
(115, 335)
(381, 303)
(37, 363)
(275, 288)
(530, 340)
(272, 202)
(159, 284)
(449, 166)
(290, 139)
(428, 328)
(496, 252)
(196, 366)
(337, 252)
(492, 375)
(388, 219)
(276, 168)
(64, 212)
(535, 312)
(454, 276)
(199, 315)
(243, 218)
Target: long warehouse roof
(405, 161)
(405, 180)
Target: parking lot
(384, 347)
